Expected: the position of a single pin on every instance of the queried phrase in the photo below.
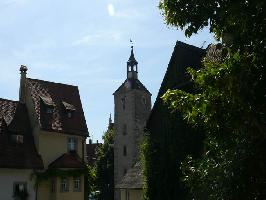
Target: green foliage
(90, 181)
(145, 156)
(230, 99)
(105, 167)
(241, 21)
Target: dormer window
(18, 139)
(49, 110)
(69, 108)
(48, 103)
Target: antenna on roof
(203, 44)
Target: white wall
(7, 179)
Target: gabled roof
(61, 97)
(91, 152)
(131, 84)
(176, 77)
(133, 178)
(7, 109)
(68, 160)
(12, 154)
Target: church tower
(132, 108)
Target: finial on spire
(23, 69)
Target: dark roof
(130, 84)
(91, 152)
(171, 138)
(132, 60)
(176, 76)
(13, 154)
(133, 178)
(7, 109)
(61, 98)
(68, 160)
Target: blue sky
(86, 43)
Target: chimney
(90, 141)
(22, 89)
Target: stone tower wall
(134, 116)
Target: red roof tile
(91, 152)
(12, 154)
(58, 93)
(68, 160)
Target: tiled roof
(133, 178)
(58, 95)
(68, 160)
(91, 152)
(13, 154)
(7, 109)
(130, 84)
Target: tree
(90, 181)
(230, 100)
(105, 167)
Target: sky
(86, 43)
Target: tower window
(144, 100)
(124, 129)
(123, 101)
(125, 171)
(125, 150)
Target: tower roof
(132, 59)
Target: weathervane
(131, 43)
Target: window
(125, 150)
(64, 185)
(124, 129)
(20, 188)
(72, 144)
(123, 101)
(49, 110)
(53, 185)
(69, 114)
(77, 185)
(125, 171)
(144, 100)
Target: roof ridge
(9, 100)
(34, 79)
(188, 45)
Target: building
(132, 108)
(42, 142)
(171, 139)
(131, 185)
(92, 152)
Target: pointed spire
(132, 59)
(110, 119)
(111, 124)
